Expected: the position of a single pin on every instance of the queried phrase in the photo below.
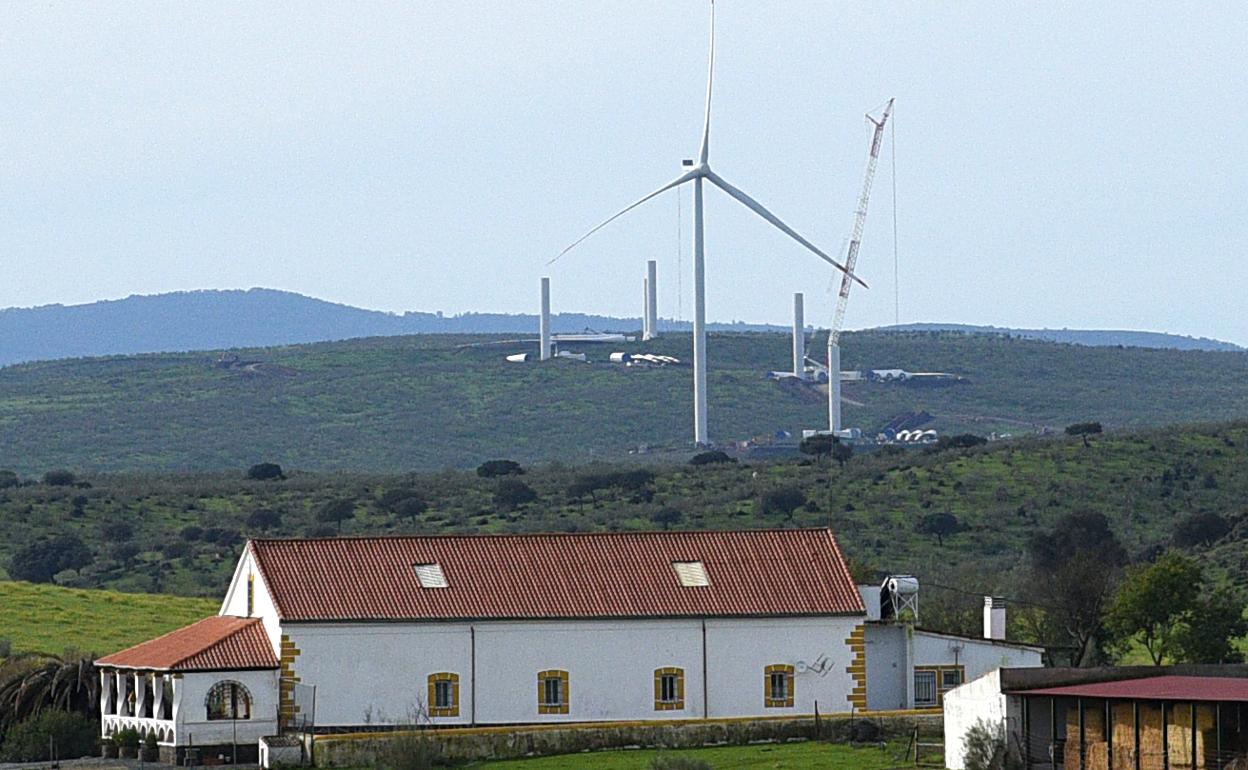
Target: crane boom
(860, 221)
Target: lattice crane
(851, 260)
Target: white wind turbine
(696, 173)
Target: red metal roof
(219, 643)
(598, 575)
(1182, 688)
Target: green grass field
(790, 756)
(50, 619)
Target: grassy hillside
(183, 533)
(413, 403)
(51, 619)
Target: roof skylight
(691, 574)
(431, 576)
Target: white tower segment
(699, 171)
(651, 326)
(645, 308)
(799, 338)
(543, 323)
(851, 260)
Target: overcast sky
(1058, 164)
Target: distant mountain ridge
(1091, 337)
(212, 320)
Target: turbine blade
(705, 149)
(685, 177)
(762, 211)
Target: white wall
(190, 712)
(978, 656)
(235, 602)
(889, 673)
(381, 669)
(977, 700)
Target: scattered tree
(117, 532)
(264, 519)
(941, 525)
(1166, 606)
(39, 561)
(265, 472)
(782, 501)
(336, 512)
(59, 478)
(1083, 429)
(411, 507)
(667, 517)
(192, 533)
(1200, 529)
(513, 493)
(492, 468)
(842, 452)
(819, 445)
(9, 479)
(69, 684)
(712, 457)
(1073, 570)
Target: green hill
(176, 533)
(51, 619)
(424, 402)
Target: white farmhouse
(334, 635)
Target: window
(444, 694)
(552, 692)
(778, 686)
(228, 700)
(669, 689)
(431, 576)
(950, 678)
(691, 574)
(251, 595)
(925, 688)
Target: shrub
(9, 479)
(666, 517)
(175, 549)
(960, 441)
(984, 749)
(117, 532)
(127, 738)
(491, 468)
(59, 478)
(70, 735)
(265, 472)
(192, 533)
(712, 457)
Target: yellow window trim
(564, 692)
(939, 671)
(669, 705)
(453, 709)
(785, 702)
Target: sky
(1057, 164)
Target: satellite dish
(801, 667)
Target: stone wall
(471, 744)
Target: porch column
(140, 692)
(175, 683)
(106, 688)
(158, 693)
(123, 694)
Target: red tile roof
(599, 575)
(219, 643)
(1185, 688)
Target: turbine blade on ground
(762, 211)
(685, 177)
(705, 149)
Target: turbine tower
(697, 172)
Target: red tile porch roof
(219, 643)
(755, 573)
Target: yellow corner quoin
(287, 708)
(676, 697)
(857, 669)
(451, 707)
(546, 705)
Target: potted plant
(149, 752)
(127, 743)
(108, 747)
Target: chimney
(994, 618)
